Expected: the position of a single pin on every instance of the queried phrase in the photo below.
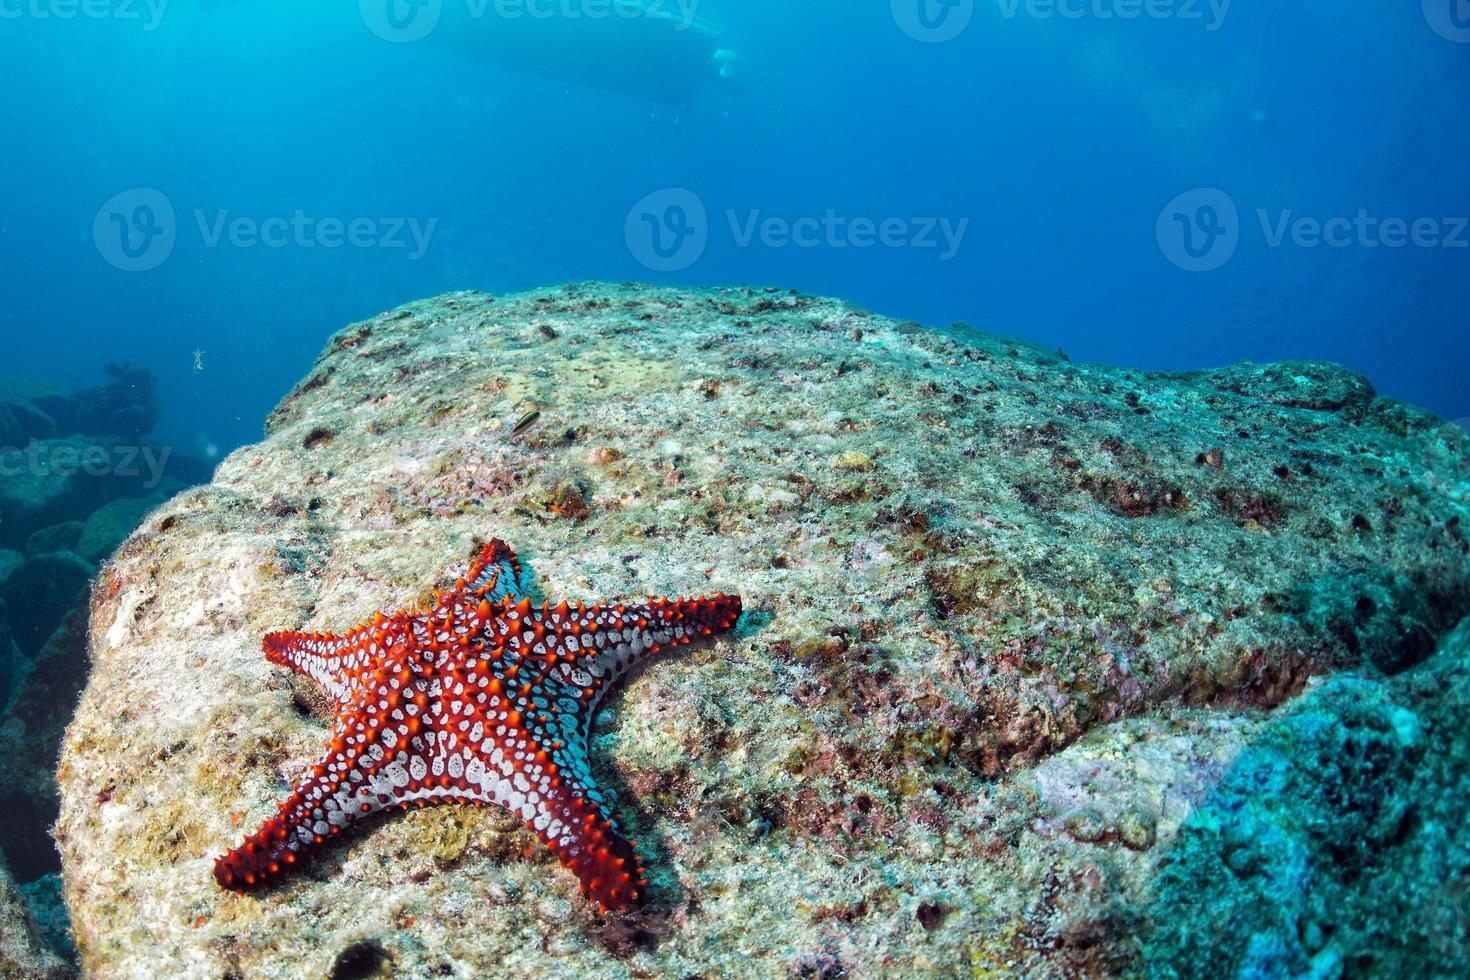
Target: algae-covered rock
(110, 525)
(24, 955)
(1336, 844)
(57, 537)
(39, 593)
(10, 658)
(1010, 623)
(9, 562)
(31, 731)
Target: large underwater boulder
(1012, 627)
(110, 525)
(126, 404)
(1335, 845)
(9, 562)
(39, 593)
(57, 537)
(65, 454)
(51, 483)
(45, 485)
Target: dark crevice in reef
(361, 961)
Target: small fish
(527, 420)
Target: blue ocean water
(1135, 183)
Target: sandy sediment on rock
(1010, 622)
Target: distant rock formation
(126, 405)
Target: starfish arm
(572, 818)
(535, 766)
(495, 574)
(589, 649)
(615, 639)
(365, 765)
(318, 808)
(332, 661)
(279, 843)
(315, 655)
(313, 813)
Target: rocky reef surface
(1048, 668)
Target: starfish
(482, 699)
